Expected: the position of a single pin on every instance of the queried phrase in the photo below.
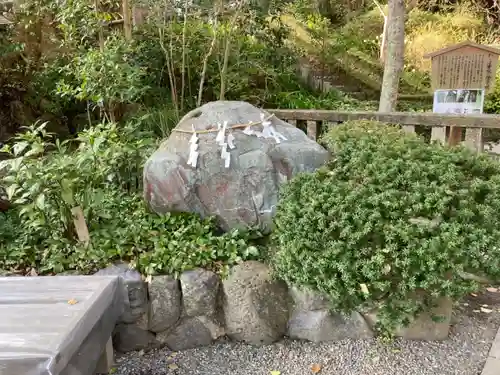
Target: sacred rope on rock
(225, 137)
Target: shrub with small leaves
(100, 172)
(390, 216)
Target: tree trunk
(394, 61)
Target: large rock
(255, 306)
(134, 291)
(321, 325)
(308, 300)
(433, 325)
(165, 306)
(130, 337)
(246, 193)
(200, 289)
(191, 333)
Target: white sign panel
(459, 101)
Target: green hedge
(394, 214)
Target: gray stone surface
(165, 303)
(246, 193)
(307, 299)
(255, 306)
(134, 293)
(321, 325)
(429, 326)
(200, 289)
(463, 353)
(129, 337)
(189, 333)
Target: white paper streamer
(225, 155)
(277, 135)
(193, 153)
(230, 141)
(193, 158)
(248, 131)
(221, 135)
(194, 137)
(268, 130)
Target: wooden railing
(313, 122)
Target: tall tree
(394, 60)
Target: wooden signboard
(463, 66)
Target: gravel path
(464, 353)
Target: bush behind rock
(389, 216)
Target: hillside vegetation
(352, 48)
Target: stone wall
(249, 306)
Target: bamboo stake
(127, 22)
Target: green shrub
(492, 102)
(101, 172)
(394, 214)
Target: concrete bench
(58, 325)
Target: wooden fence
(461, 128)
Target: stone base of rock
(249, 306)
(428, 326)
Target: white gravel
(464, 353)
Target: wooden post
(474, 139)
(312, 129)
(438, 134)
(138, 15)
(455, 136)
(127, 20)
(409, 128)
(99, 30)
(82, 231)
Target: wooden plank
(81, 228)
(402, 118)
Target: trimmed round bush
(389, 217)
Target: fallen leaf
(492, 290)
(173, 366)
(485, 310)
(476, 310)
(274, 372)
(466, 304)
(473, 294)
(484, 305)
(315, 368)
(72, 301)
